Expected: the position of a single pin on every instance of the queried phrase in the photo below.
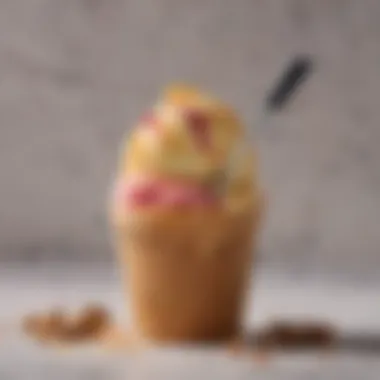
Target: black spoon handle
(295, 74)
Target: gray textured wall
(75, 73)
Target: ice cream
(185, 208)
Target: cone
(186, 271)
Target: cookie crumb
(60, 326)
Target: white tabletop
(22, 291)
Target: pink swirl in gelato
(159, 192)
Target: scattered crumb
(90, 323)
(239, 347)
(44, 327)
(60, 326)
(297, 334)
(94, 323)
(116, 338)
(284, 335)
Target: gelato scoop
(188, 149)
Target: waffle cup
(186, 271)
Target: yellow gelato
(192, 138)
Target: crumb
(115, 338)
(236, 346)
(60, 326)
(239, 347)
(88, 324)
(43, 327)
(283, 334)
(261, 356)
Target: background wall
(74, 74)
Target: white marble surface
(176, 364)
(22, 291)
(350, 305)
(76, 73)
